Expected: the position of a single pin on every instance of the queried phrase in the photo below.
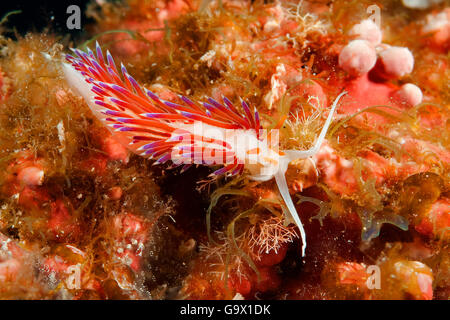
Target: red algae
(374, 200)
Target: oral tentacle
(284, 190)
(291, 155)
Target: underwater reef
(84, 217)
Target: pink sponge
(396, 62)
(437, 29)
(357, 57)
(31, 176)
(409, 94)
(367, 30)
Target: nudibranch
(186, 132)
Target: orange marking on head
(254, 151)
(281, 122)
(270, 160)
